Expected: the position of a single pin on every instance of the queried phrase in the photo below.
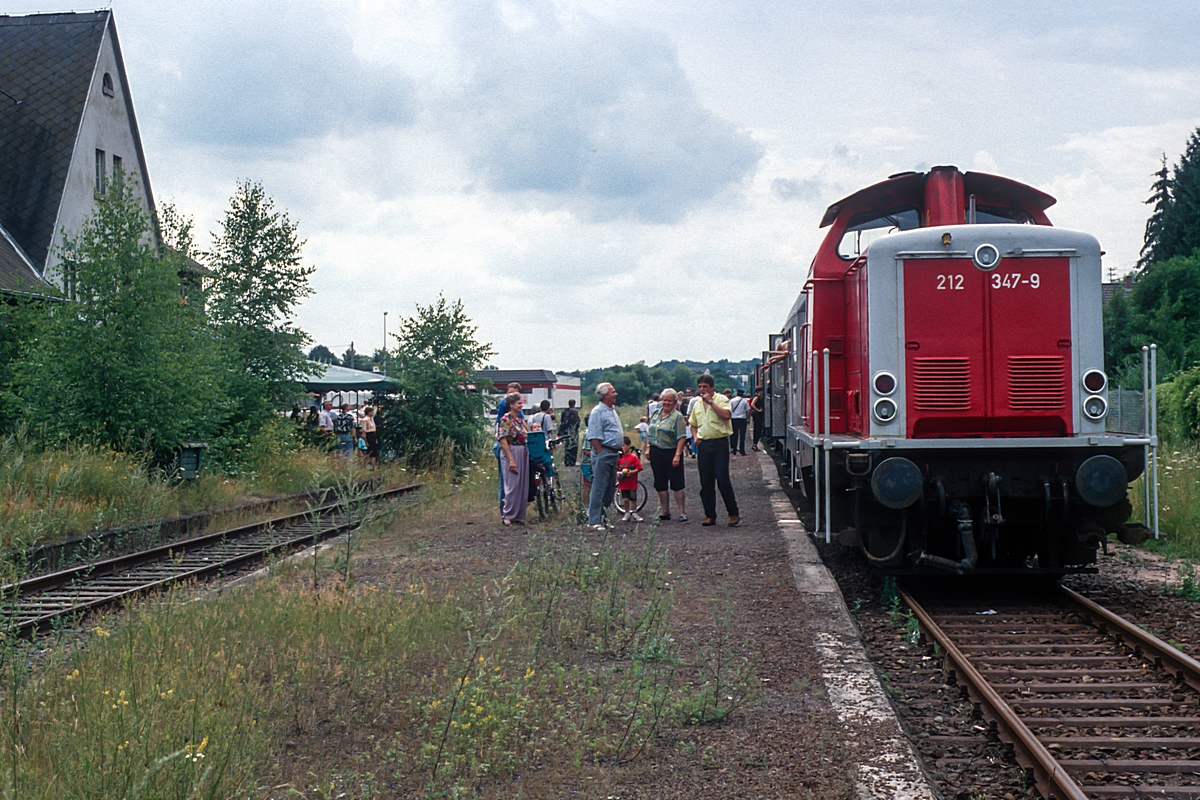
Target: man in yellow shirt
(711, 424)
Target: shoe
(664, 517)
(598, 527)
(506, 523)
(683, 517)
(636, 518)
(734, 520)
(755, 448)
(625, 517)
(708, 522)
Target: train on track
(938, 388)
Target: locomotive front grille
(942, 384)
(1036, 383)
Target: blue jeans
(604, 483)
(346, 445)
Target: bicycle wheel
(553, 494)
(539, 495)
(642, 495)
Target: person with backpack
(344, 425)
(570, 429)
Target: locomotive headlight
(1095, 407)
(1094, 381)
(987, 256)
(897, 483)
(884, 383)
(885, 409)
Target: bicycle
(547, 489)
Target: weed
(1189, 588)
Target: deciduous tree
(258, 280)
(127, 361)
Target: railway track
(35, 604)
(1092, 705)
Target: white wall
(106, 126)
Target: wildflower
(101, 632)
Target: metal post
(828, 448)
(1146, 429)
(816, 466)
(1154, 428)
(385, 347)
(1119, 404)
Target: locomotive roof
(907, 188)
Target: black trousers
(758, 428)
(712, 460)
(737, 442)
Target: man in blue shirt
(606, 434)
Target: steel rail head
(1051, 778)
(1175, 661)
(166, 555)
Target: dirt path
(734, 581)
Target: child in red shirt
(628, 467)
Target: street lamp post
(385, 350)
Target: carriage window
(867, 227)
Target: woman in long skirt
(511, 431)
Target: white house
(67, 127)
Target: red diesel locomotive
(938, 388)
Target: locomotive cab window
(1001, 216)
(865, 228)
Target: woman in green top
(668, 436)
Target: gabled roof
(17, 275)
(47, 63)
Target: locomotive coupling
(897, 483)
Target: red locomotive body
(939, 386)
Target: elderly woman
(511, 431)
(667, 435)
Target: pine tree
(1160, 199)
(1182, 224)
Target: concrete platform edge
(889, 769)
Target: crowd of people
(707, 426)
(351, 429)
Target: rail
(1046, 672)
(34, 604)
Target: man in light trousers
(606, 434)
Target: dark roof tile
(46, 63)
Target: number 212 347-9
(1010, 280)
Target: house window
(106, 85)
(118, 171)
(100, 172)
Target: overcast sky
(608, 182)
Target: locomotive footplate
(964, 510)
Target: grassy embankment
(1179, 500)
(50, 493)
(494, 676)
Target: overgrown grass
(1179, 499)
(447, 687)
(50, 493)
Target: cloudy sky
(608, 182)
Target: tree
(258, 281)
(127, 362)
(1163, 307)
(1160, 200)
(354, 360)
(324, 355)
(435, 357)
(682, 377)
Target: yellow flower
(101, 632)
